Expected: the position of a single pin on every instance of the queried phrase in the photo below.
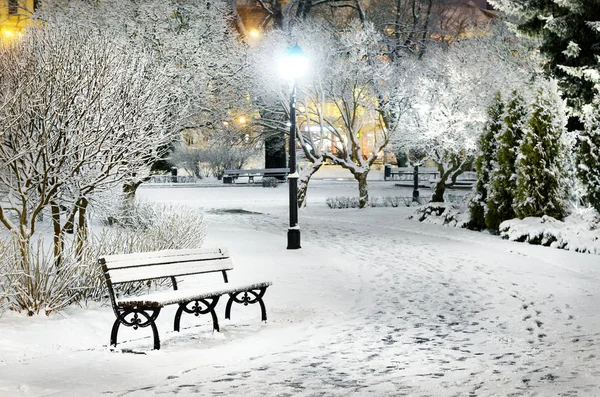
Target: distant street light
(292, 66)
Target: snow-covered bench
(230, 176)
(426, 174)
(142, 311)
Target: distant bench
(427, 176)
(229, 176)
(407, 174)
(142, 311)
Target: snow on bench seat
(164, 298)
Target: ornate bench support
(196, 309)
(244, 298)
(136, 322)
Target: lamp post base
(293, 238)
(415, 196)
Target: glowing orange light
(254, 33)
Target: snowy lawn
(373, 304)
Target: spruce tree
(589, 155)
(503, 182)
(542, 184)
(484, 162)
(569, 36)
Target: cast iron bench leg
(136, 322)
(196, 309)
(246, 300)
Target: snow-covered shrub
(188, 158)
(270, 182)
(342, 202)
(542, 174)
(152, 227)
(459, 200)
(578, 232)
(441, 214)
(352, 202)
(30, 282)
(390, 202)
(35, 286)
(503, 180)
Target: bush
(352, 202)
(31, 283)
(149, 227)
(579, 232)
(342, 202)
(34, 286)
(269, 181)
(441, 214)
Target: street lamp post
(293, 235)
(292, 66)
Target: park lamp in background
(292, 66)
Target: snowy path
(373, 304)
(447, 317)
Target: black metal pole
(416, 184)
(293, 235)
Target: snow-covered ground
(373, 304)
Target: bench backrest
(258, 171)
(162, 264)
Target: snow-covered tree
(78, 114)
(503, 181)
(453, 92)
(569, 34)
(542, 161)
(195, 41)
(485, 162)
(589, 154)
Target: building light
(254, 33)
(9, 34)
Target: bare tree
(195, 41)
(79, 114)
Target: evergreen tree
(589, 155)
(503, 182)
(484, 162)
(569, 35)
(542, 160)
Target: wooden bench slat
(257, 171)
(121, 275)
(166, 259)
(168, 252)
(164, 298)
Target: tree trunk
(438, 191)
(58, 240)
(82, 230)
(129, 189)
(363, 191)
(304, 179)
